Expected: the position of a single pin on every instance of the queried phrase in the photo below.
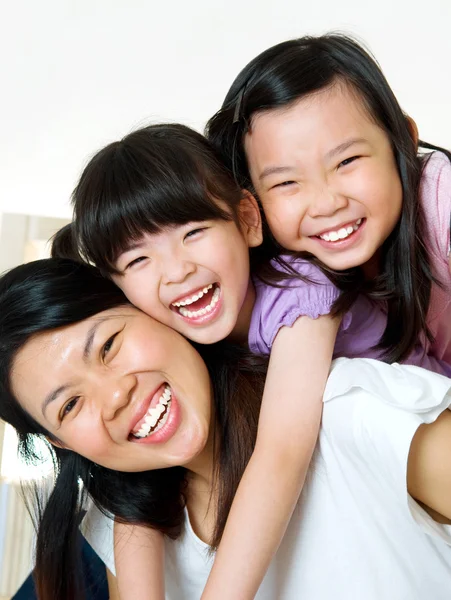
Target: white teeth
(193, 298)
(154, 414)
(203, 311)
(341, 234)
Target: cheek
(282, 214)
(130, 289)
(231, 253)
(142, 293)
(91, 442)
(382, 192)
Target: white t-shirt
(356, 533)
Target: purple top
(361, 327)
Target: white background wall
(77, 74)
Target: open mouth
(155, 417)
(342, 233)
(199, 304)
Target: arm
(429, 468)
(139, 559)
(288, 428)
(113, 592)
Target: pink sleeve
(435, 195)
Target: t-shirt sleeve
(435, 194)
(378, 426)
(388, 435)
(278, 307)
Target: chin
(345, 262)
(214, 335)
(190, 444)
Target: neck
(200, 493)
(201, 467)
(201, 470)
(241, 330)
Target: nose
(176, 268)
(325, 203)
(115, 393)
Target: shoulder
(386, 394)
(309, 293)
(435, 198)
(301, 276)
(436, 164)
(408, 387)
(435, 184)
(384, 404)
(373, 419)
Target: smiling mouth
(341, 234)
(155, 417)
(198, 304)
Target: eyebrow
(90, 337)
(344, 146)
(52, 397)
(132, 245)
(87, 348)
(331, 154)
(274, 171)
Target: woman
(106, 364)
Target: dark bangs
(155, 178)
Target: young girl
(160, 214)
(313, 128)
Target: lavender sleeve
(277, 307)
(361, 327)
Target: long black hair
(284, 74)
(156, 177)
(53, 293)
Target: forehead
(55, 354)
(335, 111)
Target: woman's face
(119, 388)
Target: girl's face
(195, 277)
(326, 177)
(119, 388)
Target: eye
(348, 161)
(194, 232)
(135, 261)
(69, 407)
(284, 184)
(108, 345)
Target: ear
(55, 442)
(413, 130)
(250, 220)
